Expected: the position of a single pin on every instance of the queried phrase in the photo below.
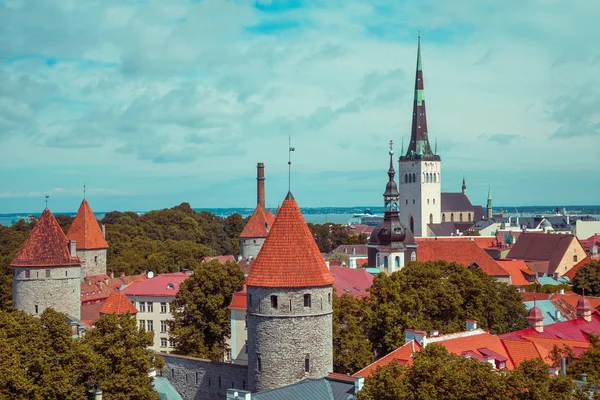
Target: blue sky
(153, 103)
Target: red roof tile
(531, 296)
(221, 259)
(465, 252)
(256, 227)
(572, 330)
(163, 285)
(518, 271)
(534, 246)
(481, 241)
(573, 298)
(402, 355)
(46, 246)
(520, 350)
(483, 343)
(270, 217)
(354, 282)
(85, 229)
(289, 256)
(89, 312)
(95, 288)
(117, 303)
(239, 300)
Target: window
(172, 373)
(433, 201)
(163, 342)
(66, 273)
(274, 302)
(290, 304)
(170, 308)
(197, 380)
(36, 309)
(406, 201)
(443, 217)
(142, 324)
(427, 201)
(246, 321)
(171, 342)
(329, 297)
(413, 256)
(96, 259)
(258, 363)
(413, 201)
(397, 261)
(163, 308)
(163, 326)
(150, 306)
(307, 300)
(47, 273)
(250, 299)
(461, 217)
(246, 347)
(385, 261)
(452, 217)
(431, 218)
(28, 274)
(306, 364)
(142, 307)
(575, 257)
(208, 382)
(150, 325)
(243, 385)
(219, 381)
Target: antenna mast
(290, 149)
(46, 200)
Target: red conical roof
(85, 229)
(117, 303)
(46, 246)
(270, 218)
(289, 257)
(256, 226)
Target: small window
(142, 307)
(250, 299)
(254, 241)
(96, 259)
(142, 324)
(406, 201)
(163, 326)
(163, 342)
(243, 385)
(246, 347)
(575, 258)
(208, 382)
(246, 321)
(27, 274)
(413, 201)
(47, 273)
(219, 381)
(307, 364)
(36, 309)
(172, 372)
(307, 300)
(274, 302)
(258, 363)
(329, 297)
(290, 304)
(150, 325)
(163, 308)
(150, 306)
(433, 201)
(427, 201)
(197, 378)
(66, 273)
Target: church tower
(391, 245)
(89, 237)
(488, 206)
(289, 306)
(420, 168)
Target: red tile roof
(531, 296)
(163, 285)
(85, 229)
(402, 355)
(46, 246)
(289, 256)
(483, 343)
(465, 252)
(270, 218)
(256, 227)
(95, 288)
(221, 259)
(518, 271)
(520, 350)
(354, 282)
(117, 303)
(572, 330)
(239, 300)
(534, 246)
(89, 312)
(571, 273)
(573, 298)
(589, 242)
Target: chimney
(106, 281)
(100, 284)
(112, 274)
(103, 227)
(584, 377)
(260, 185)
(95, 394)
(417, 336)
(72, 248)
(556, 315)
(471, 324)
(434, 333)
(327, 263)
(563, 365)
(359, 382)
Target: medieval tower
(420, 168)
(90, 241)
(255, 232)
(47, 271)
(289, 306)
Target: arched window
(461, 217)
(452, 217)
(414, 177)
(427, 201)
(425, 177)
(434, 179)
(397, 261)
(401, 178)
(443, 216)
(431, 218)
(433, 201)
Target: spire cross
(290, 149)
(84, 190)
(391, 146)
(46, 200)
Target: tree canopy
(587, 278)
(201, 319)
(329, 236)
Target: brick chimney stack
(260, 185)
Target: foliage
(201, 319)
(339, 256)
(537, 288)
(41, 360)
(437, 374)
(329, 236)
(439, 295)
(472, 233)
(351, 347)
(587, 278)
(589, 362)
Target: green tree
(588, 363)
(587, 278)
(122, 361)
(351, 347)
(339, 256)
(438, 295)
(531, 381)
(201, 319)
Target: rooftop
(541, 247)
(163, 285)
(354, 282)
(518, 270)
(85, 229)
(455, 202)
(257, 225)
(575, 329)
(117, 303)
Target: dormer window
(170, 286)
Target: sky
(153, 103)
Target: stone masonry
(198, 379)
(93, 262)
(284, 338)
(250, 247)
(60, 290)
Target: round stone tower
(89, 237)
(289, 306)
(47, 271)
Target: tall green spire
(489, 202)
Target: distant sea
(342, 215)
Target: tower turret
(289, 306)
(90, 240)
(464, 186)
(488, 206)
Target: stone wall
(60, 291)
(285, 337)
(93, 262)
(198, 379)
(250, 247)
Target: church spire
(489, 202)
(419, 146)
(391, 195)
(464, 186)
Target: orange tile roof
(270, 217)
(465, 252)
(95, 288)
(289, 256)
(516, 269)
(256, 227)
(572, 298)
(239, 300)
(85, 229)
(520, 350)
(221, 259)
(402, 355)
(117, 303)
(475, 343)
(46, 246)
(545, 345)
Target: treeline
(329, 236)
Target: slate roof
(464, 252)
(256, 227)
(289, 256)
(354, 282)
(85, 230)
(352, 249)
(449, 228)
(46, 246)
(478, 213)
(163, 285)
(518, 270)
(455, 202)
(541, 247)
(117, 303)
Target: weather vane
(84, 190)
(391, 147)
(290, 162)
(46, 200)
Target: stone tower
(255, 232)
(391, 245)
(419, 169)
(47, 271)
(89, 237)
(289, 306)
